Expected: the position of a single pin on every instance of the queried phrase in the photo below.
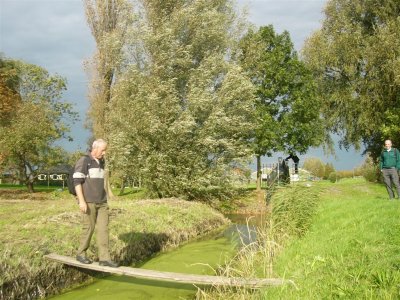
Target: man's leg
(102, 232)
(395, 178)
(88, 224)
(388, 182)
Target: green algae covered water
(199, 257)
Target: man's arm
(81, 198)
(381, 162)
(79, 176)
(396, 152)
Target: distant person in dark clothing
(295, 160)
(389, 164)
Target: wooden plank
(171, 276)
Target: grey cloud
(48, 33)
(54, 35)
(299, 17)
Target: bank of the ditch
(31, 226)
(352, 249)
(347, 245)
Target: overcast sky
(54, 35)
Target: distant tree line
(368, 169)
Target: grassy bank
(33, 225)
(347, 245)
(351, 251)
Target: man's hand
(83, 206)
(82, 203)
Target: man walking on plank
(88, 180)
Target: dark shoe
(83, 259)
(108, 263)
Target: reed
(292, 210)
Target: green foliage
(347, 173)
(182, 110)
(287, 108)
(74, 156)
(9, 97)
(328, 169)
(109, 21)
(293, 209)
(355, 58)
(369, 170)
(334, 177)
(39, 119)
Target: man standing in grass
(389, 164)
(89, 186)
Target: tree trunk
(29, 185)
(29, 178)
(258, 182)
(121, 191)
(110, 194)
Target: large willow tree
(181, 114)
(356, 59)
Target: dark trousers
(390, 176)
(96, 216)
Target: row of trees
(186, 91)
(193, 93)
(368, 169)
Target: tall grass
(292, 211)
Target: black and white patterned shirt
(89, 172)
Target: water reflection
(243, 230)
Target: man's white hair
(97, 143)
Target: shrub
(369, 170)
(345, 173)
(371, 174)
(334, 177)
